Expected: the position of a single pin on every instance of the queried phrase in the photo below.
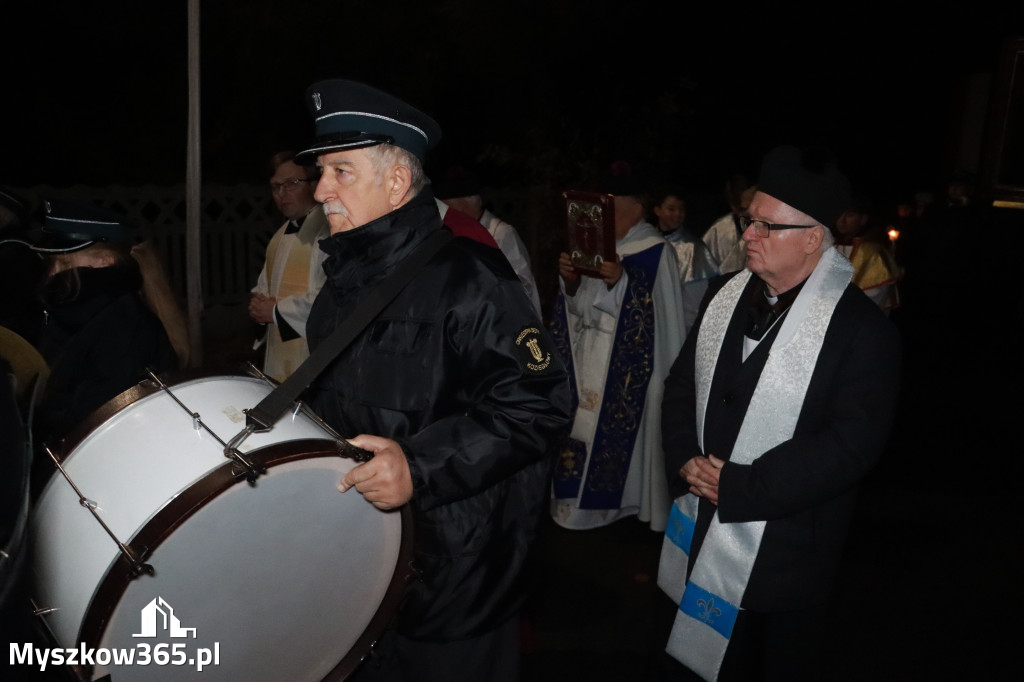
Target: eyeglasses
(287, 186)
(762, 228)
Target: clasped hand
(261, 308)
(702, 473)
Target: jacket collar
(363, 256)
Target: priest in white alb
(293, 273)
(619, 334)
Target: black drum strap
(283, 397)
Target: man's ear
(815, 236)
(398, 182)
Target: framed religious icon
(590, 230)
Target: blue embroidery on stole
(709, 609)
(680, 529)
(629, 374)
(572, 454)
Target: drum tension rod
(136, 566)
(40, 611)
(248, 470)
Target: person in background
(618, 331)
(696, 266)
(21, 309)
(874, 269)
(778, 405)
(15, 464)
(460, 189)
(724, 238)
(110, 314)
(293, 272)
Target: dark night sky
(534, 91)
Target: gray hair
(384, 156)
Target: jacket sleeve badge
(528, 344)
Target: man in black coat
(778, 405)
(454, 388)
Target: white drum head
(286, 579)
(279, 580)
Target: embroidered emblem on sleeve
(528, 345)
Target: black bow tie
(294, 225)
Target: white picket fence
(237, 223)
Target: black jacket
(448, 372)
(99, 340)
(805, 488)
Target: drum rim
(166, 520)
(63, 448)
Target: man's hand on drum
(385, 481)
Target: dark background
(534, 92)
(542, 94)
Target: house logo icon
(158, 616)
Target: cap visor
(52, 243)
(326, 145)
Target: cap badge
(316, 101)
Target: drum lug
(136, 566)
(244, 469)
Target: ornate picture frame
(590, 230)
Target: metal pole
(193, 194)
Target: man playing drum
(454, 387)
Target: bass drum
(153, 545)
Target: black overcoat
(461, 373)
(805, 488)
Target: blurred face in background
(292, 190)
(850, 223)
(95, 256)
(671, 214)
